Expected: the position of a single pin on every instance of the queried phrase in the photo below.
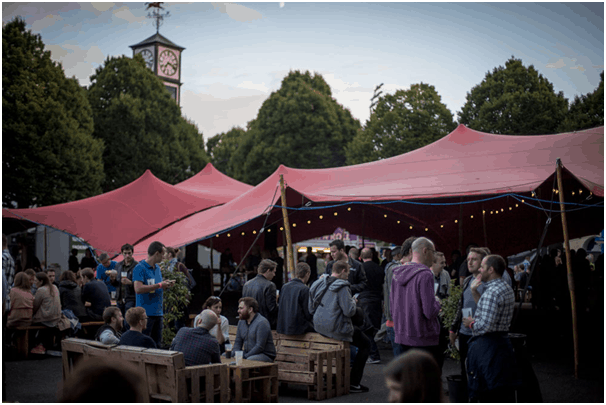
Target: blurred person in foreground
(414, 377)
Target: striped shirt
(495, 308)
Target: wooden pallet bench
(166, 377)
(22, 338)
(320, 363)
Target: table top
(245, 363)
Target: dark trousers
(372, 309)
(362, 342)
(125, 307)
(433, 350)
(463, 346)
(155, 324)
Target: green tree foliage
(586, 111)
(141, 125)
(174, 301)
(49, 155)
(401, 122)
(514, 100)
(222, 147)
(300, 125)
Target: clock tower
(163, 57)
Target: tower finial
(156, 14)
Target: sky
(237, 54)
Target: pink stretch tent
(480, 170)
(213, 185)
(125, 215)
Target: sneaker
(38, 349)
(373, 361)
(357, 388)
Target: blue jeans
(391, 336)
(154, 328)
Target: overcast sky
(237, 54)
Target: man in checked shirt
(491, 374)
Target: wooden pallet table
(253, 381)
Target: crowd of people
(350, 295)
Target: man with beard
(110, 333)
(254, 334)
(126, 297)
(490, 357)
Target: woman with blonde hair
(47, 307)
(22, 302)
(414, 377)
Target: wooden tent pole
(290, 259)
(569, 270)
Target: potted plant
(175, 300)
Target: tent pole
(212, 266)
(290, 258)
(569, 270)
(484, 225)
(461, 224)
(45, 250)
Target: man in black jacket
(371, 299)
(293, 316)
(264, 291)
(126, 297)
(357, 276)
(94, 295)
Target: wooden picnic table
(253, 381)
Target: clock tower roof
(157, 38)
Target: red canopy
(213, 185)
(125, 215)
(447, 185)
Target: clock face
(169, 62)
(148, 57)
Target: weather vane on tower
(156, 14)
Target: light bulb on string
(398, 221)
(254, 232)
(294, 225)
(321, 217)
(336, 214)
(442, 226)
(217, 235)
(410, 226)
(228, 235)
(471, 217)
(456, 221)
(309, 222)
(243, 233)
(384, 215)
(426, 229)
(281, 228)
(348, 208)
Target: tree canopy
(141, 125)
(514, 100)
(222, 147)
(401, 122)
(49, 154)
(586, 111)
(300, 125)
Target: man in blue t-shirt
(149, 287)
(106, 274)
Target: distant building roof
(157, 37)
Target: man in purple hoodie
(414, 306)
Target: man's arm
(238, 343)
(270, 299)
(262, 333)
(360, 280)
(108, 338)
(429, 304)
(486, 313)
(475, 283)
(141, 288)
(304, 301)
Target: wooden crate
(319, 362)
(166, 377)
(253, 381)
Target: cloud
(217, 72)
(556, 65)
(238, 12)
(579, 68)
(45, 22)
(125, 14)
(281, 4)
(77, 61)
(214, 115)
(254, 86)
(96, 8)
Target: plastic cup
(239, 357)
(123, 274)
(113, 295)
(228, 351)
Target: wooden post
(569, 270)
(461, 224)
(45, 250)
(290, 259)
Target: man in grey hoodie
(332, 306)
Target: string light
(269, 230)
(309, 222)
(580, 191)
(348, 208)
(517, 205)
(471, 217)
(426, 229)
(509, 208)
(410, 226)
(243, 233)
(294, 225)
(456, 221)
(573, 193)
(228, 235)
(254, 232)
(483, 211)
(442, 226)
(491, 212)
(336, 214)
(398, 221)
(281, 228)
(522, 201)
(385, 215)
(502, 210)
(217, 235)
(321, 217)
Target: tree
(49, 155)
(300, 125)
(401, 122)
(514, 100)
(222, 147)
(141, 125)
(586, 111)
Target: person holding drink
(221, 330)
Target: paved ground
(549, 345)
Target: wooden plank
(329, 374)
(324, 346)
(195, 385)
(292, 366)
(339, 373)
(210, 384)
(297, 377)
(321, 358)
(224, 384)
(294, 343)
